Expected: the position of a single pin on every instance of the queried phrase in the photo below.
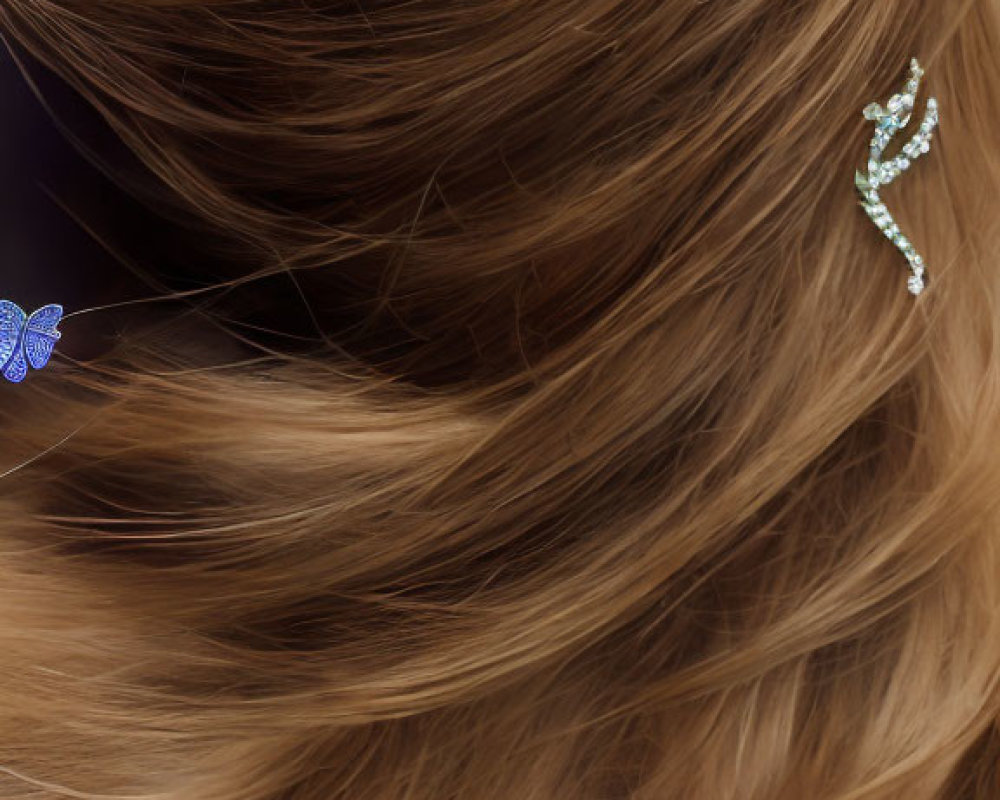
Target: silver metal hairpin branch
(889, 121)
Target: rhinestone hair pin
(26, 339)
(889, 121)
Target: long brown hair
(618, 462)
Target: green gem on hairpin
(881, 172)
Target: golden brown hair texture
(621, 463)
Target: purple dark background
(44, 255)
(71, 234)
(57, 207)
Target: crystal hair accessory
(26, 339)
(889, 121)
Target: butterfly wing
(38, 347)
(45, 319)
(11, 322)
(40, 335)
(17, 368)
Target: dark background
(84, 224)
(72, 230)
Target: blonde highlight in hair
(624, 466)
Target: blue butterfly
(26, 340)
